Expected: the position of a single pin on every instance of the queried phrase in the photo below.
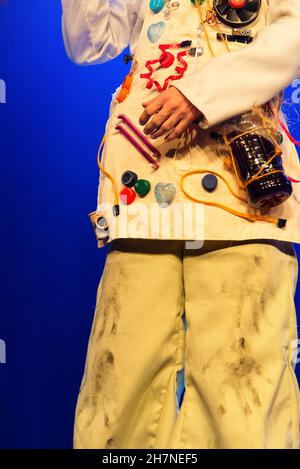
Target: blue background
(50, 265)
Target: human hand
(173, 113)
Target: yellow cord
(112, 179)
(199, 9)
(224, 207)
(101, 167)
(224, 40)
(203, 24)
(228, 143)
(257, 175)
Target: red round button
(127, 195)
(237, 3)
(166, 60)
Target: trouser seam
(164, 391)
(295, 428)
(184, 402)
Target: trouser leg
(241, 388)
(127, 397)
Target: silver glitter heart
(164, 193)
(155, 31)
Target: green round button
(142, 187)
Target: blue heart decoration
(155, 31)
(157, 5)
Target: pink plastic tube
(137, 146)
(139, 134)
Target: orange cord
(256, 176)
(232, 164)
(224, 207)
(125, 89)
(122, 95)
(217, 27)
(112, 179)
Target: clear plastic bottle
(250, 152)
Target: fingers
(166, 127)
(178, 130)
(146, 103)
(152, 107)
(157, 121)
(172, 114)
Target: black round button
(209, 182)
(129, 178)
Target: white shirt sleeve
(95, 31)
(229, 84)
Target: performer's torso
(182, 217)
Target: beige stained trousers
(238, 349)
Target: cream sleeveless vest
(182, 218)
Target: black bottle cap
(209, 182)
(129, 178)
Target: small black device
(235, 38)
